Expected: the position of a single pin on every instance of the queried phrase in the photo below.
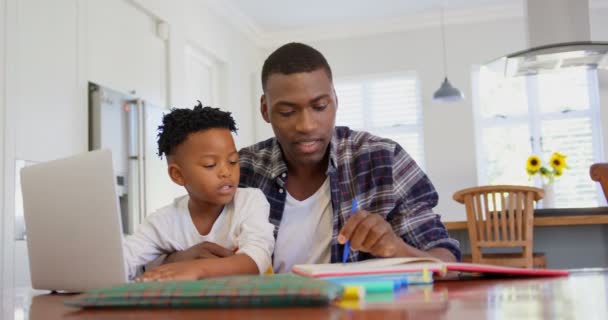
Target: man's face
(301, 107)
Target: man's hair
(179, 123)
(294, 58)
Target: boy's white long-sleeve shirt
(243, 224)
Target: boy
(217, 229)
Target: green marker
(372, 286)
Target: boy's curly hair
(179, 123)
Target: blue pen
(347, 244)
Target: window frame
(534, 119)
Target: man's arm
(412, 229)
(439, 253)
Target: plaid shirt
(382, 176)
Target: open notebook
(405, 265)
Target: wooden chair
(599, 173)
(502, 216)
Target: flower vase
(548, 200)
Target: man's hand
(199, 251)
(370, 233)
(184, 270)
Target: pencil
(347, 244)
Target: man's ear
(175, 173)
(264, 108)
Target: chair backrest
(599, 173)
(500, 216)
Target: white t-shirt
(243, 223)
(305, 232)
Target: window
(388, 106)
(521, 116)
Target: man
(311, 171)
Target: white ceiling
(270, 22)
(281, 15)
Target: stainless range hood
(558, 38)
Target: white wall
(124, 51)
(54, 48)
(239, 57)
(3, 19)
(50, 114)
(192, 23)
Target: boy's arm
(202, 268)
(255, 233)
(142, 247)
(255, 241)
(202, 250)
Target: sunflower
(533, 165)
(553, 169)
(557, 154)
(558, 161)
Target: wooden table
(555, 217)
(582, 295)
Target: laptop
(73, 224)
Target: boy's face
(301, 108)
(207, 165)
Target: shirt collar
(277, 164)
(333, 153)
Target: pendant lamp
(446, 92)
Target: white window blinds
(388, 106)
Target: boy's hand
(209, 250)
(184, 270)
(370, 233)
(199, 251)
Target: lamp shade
(447, 93)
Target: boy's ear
(264, 108)
(175, 173)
